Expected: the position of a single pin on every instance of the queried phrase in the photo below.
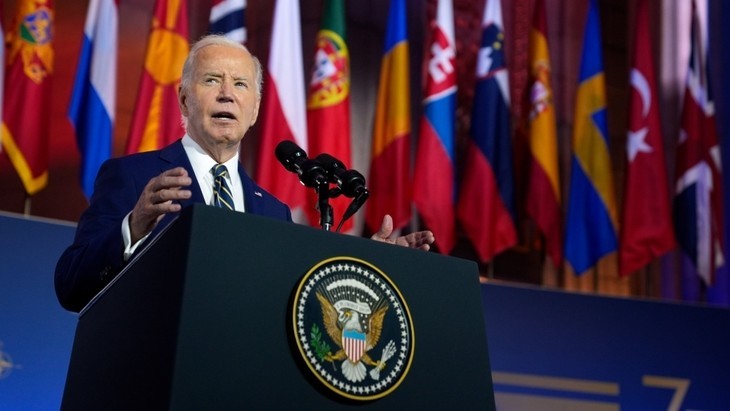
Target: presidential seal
(353, 328)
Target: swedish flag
(592, 223)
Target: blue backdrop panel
(36, 334)
(557, 350)
(549, 350)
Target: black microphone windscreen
(285, 149)
(287, 152)
(329, 161)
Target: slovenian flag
(94, 94)
(486, 200)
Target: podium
(203, 319)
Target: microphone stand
(325, 209)
(355, 205)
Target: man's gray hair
(217, 40)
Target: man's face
(221, 103)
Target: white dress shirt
(202, 163)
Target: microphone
(293, 158)
(351, 182)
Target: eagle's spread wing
(329, 317)
(376, 326)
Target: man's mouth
(223, 115)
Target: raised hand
(159, 197)
(420, 239)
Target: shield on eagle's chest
(353, 342)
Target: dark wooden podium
(201, 319)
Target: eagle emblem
(356, 330)
(367, 343)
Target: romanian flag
(646, 222)
(543, 194)
(284, 115)
(227, 17)
(486, 197)
(27, 102)
(389, 180)
(328, 109)
(156, 121)
(698, 197)
(94, 94)
(592, 226)
(434, 186)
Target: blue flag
(592, 226)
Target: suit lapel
(252, 197)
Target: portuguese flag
(328, 107)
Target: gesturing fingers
(159, 197)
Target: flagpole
(490, 270)
(26, 206)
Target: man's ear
(182, 101)
(255, 112)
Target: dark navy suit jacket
(96, 255)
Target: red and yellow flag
(27, 103)
(390, 166)
(156, 120)
(543, 196)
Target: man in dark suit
(137, 195)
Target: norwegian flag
(698, 197)
(228, 17)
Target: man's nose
(225, 92)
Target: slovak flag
(486, 197)
(434, 188)
(94, 94)
(698, 191)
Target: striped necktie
(222, 196)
